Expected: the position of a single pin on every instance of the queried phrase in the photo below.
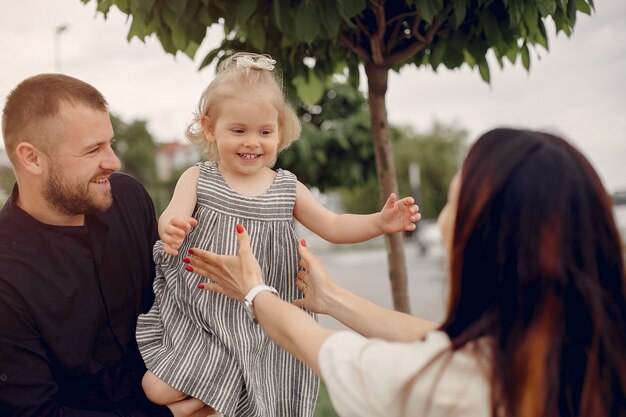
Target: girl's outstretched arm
(395, 216)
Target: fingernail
(201, 286)
(189, 268)
(303, 243)
(239, 228)
(191, 251)
(186, 260)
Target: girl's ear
(29, 157)
(208, 129)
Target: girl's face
(246, 135)
(448, 214)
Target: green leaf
(436, 55)
(138, 28)
(525, 56)
(460, 10)
(351, 8)
(546, 7)
(142, 8)
(483, 69)
(583, 7)
(104, 6)
(330, 17)
(257, 37)
(280, 13)
(179, 37)
(571, 11)
(512, 54)
(516, 9)
(204, 17)
(123, 6)
(177, 6)
(310, 89)
(307, 22)
(489, 24)
(427, 9)
(192, 48)
(245, 10)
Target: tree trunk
(386, 168)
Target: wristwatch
(249, 299)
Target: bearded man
(76, 263)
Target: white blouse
(372, 377)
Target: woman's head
(536, 263)
(249, 78)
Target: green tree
(135, 147)
(335, 148)
(438, 153)
(313, 40)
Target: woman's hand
(233, 276)
(314, 283)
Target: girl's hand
(399, 215)
(233, 276)
(175, 233)
(314, 283)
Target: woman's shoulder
(428, 371)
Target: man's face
(81, 162)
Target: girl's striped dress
(203, 343)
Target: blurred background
(577, 89)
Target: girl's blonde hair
(246, 76)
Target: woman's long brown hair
(537, 266)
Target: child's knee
(158, 391)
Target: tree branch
(417, 46)
(362, 53)
(378, 40)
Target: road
(362, 269)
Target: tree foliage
(437, 152)
(135, 147)
(335, 148)
(313, 40)
(338, 35)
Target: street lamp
(57, 47)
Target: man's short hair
(37, 100)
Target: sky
(577, 89)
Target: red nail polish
(239, 228)
(201, 286)
(191, 251)
(303, 243)
(186, 260)
(189, 268)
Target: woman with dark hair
(536, 325)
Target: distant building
(173, 157)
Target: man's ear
(29, 157)
(208, 128)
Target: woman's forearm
(371, 320)
(291, 328)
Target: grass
(324, 408)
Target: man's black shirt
(69, 301)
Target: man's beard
(73, 198)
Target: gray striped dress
(203, 343)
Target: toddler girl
(203, 344)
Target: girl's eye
(266, 132)
(238, 131)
